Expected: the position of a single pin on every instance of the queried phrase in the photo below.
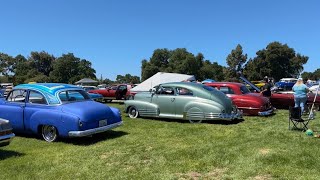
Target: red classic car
(249, 103)
(283, 100)
(116, 92)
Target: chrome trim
(6, 139)
(267, 113)
(250, 108)
(93, 131)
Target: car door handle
(172, 99)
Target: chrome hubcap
(49, 133)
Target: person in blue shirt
(300, 94)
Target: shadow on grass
(4, 154)
(85, 141)
(221, 122)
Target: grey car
(183, 100)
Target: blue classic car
(56, 110)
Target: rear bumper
(232, 116)
(6, 139)
(267, 113)
(93, 131)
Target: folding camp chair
(296, 120)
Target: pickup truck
(115, 92)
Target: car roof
(221, 83)
(50, 88)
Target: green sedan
(183, 100)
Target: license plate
(102, 123)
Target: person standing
(266, 92)
(300, 94)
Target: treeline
(277, 60)
(44, 67)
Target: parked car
(6, 134)
(182, 100)
(283, 100)
(285, 84)
(116, 92)
(7, 87)
(56, 110)
(249, 103)
(88, 88)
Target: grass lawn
(256, 148)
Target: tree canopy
(276, 60)
(180, 61)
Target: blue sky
(115, 35)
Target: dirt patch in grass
(216, 173)
(263, 177)
(264, 151)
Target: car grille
(5, 132)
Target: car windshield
(73, 96)
(244, 90)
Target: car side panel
(14, 113)
(63, 122)
(146, 109)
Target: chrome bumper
(232, 116)
(93, 131)
(6, 139)
(267, 113)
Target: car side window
(18, 95)
(165, 91)
(36, 98)
(184, 92)
(226, 90)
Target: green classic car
(183, 100)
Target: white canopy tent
(162, 77)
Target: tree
(42, 62)
(128, 78)
(69, 69)
(235, 61)
(179, 61)
(6, 64)
(276, 60)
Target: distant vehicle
(183, 100)
(7, 87)
(56, 110)
(6, 133)
(102, 86)
(285, 84)
(249, 103)
(88, 88)
(115, 92)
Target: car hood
(88, 110)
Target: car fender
(144, 108)
(205, 107)
(63, 122)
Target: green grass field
(256, 148)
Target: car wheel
(49, 133)
(133, 112)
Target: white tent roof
(162, 77)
